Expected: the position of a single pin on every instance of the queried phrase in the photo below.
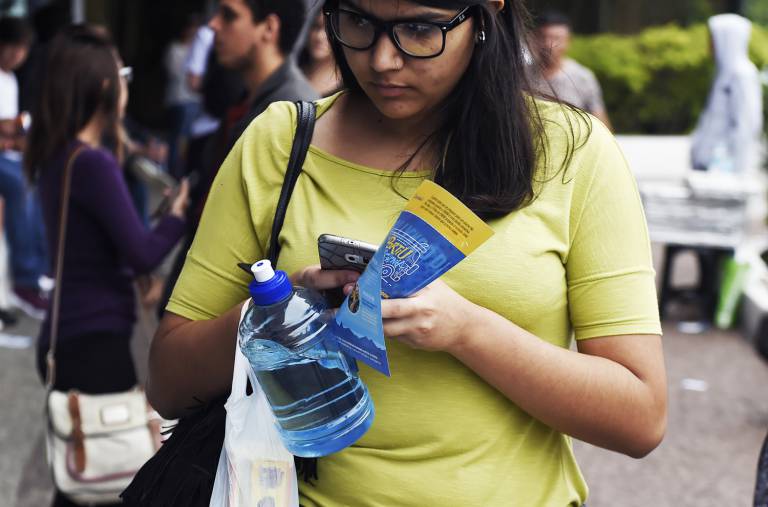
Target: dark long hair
(81, 79)
(493, 137)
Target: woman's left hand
(436, 318)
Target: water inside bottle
(303, 392)
(320, 404)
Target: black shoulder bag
(184, 469)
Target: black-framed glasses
(417, 38)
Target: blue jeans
(24, 226)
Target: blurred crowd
(216, 84)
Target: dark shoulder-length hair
(493, 137)
(81, 79)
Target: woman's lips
(390, 90)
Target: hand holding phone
(337, 252)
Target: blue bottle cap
(269, 286)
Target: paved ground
(24, 476)
(708, 457)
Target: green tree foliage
(657, 82)
(756, 10)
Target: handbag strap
(305, 127)
(66, 188)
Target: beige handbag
(95, 443)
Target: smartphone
(337, 252)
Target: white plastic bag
(255, 469)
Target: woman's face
(319, 47)
(402, 87)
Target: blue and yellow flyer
(433, 234)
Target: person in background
(182, 101)
(107, 246)
(254, 38)
(24, 223)
(560, 77)
(220, 89)
(316, 59)
(728, 134)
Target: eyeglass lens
(414, 38)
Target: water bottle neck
(271, 308)
(276, 290)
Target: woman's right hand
(314, 277)
(181, 201)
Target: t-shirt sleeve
(237, 218)
(210, 282)
(611, 281)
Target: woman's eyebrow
(425, 16)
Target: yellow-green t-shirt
(576, 261)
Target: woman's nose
(385, 56)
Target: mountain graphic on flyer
(343, 333)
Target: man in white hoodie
(729, 133)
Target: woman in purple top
(79, 113)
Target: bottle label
(434, 232)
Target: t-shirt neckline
(324, 105)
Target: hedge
(656, 82)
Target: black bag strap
(305, 127)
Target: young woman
(317, 62)
(485, 392)
(82, 102)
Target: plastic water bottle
(320, 403)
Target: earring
(481, 37)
